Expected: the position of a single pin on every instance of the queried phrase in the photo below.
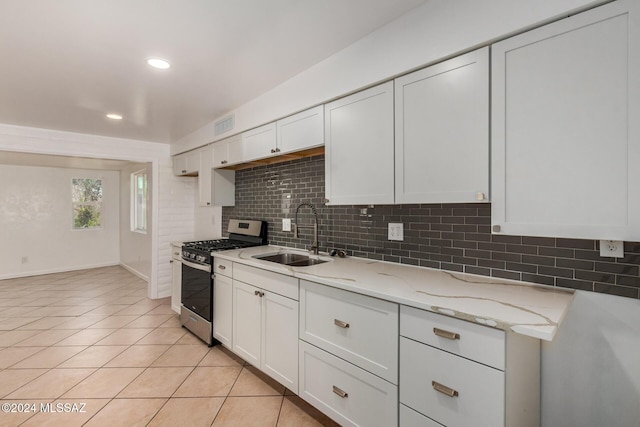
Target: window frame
(136, 206)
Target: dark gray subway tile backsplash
(455, 237)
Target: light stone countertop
(527, 309)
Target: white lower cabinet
(411, 418)
(348, 394)
(265, 325)
(176, 279)
(461, 374)
(223, 309)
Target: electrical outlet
(396, 231)
(612, 248)
(286, 224)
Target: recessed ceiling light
(114, 116)
(159, 63)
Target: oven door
(197, 288)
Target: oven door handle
(200, 267)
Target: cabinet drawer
(269, 281)
(176, 252)
(411, 418)
(357, 328)
(346, 393)
(480, 390)
(480, 343)
(223, 266)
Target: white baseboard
(135, 272)
(56, 270)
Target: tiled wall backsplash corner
(455, 237)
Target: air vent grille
(223, 125)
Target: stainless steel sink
(291, 259)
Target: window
(86, 196)
(139, 201)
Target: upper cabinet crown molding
(442, 132)
(565, 134)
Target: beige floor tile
(124, 337)
(46, 322)
(81, 322)
(49, 337)
(10, 338)
(163, 336)
(162, 309)
(220, 356)
(94, 357)
(149, 321)
(138, 356)
(252, 382)
(249, 412)
(156, 382)
(114, 322)
(104, 383)
(190, 339)
(192, 412)
(71, 310)
(173, 322)
(18, 311)
(51, 384)
(182, 355)
(73, 413)
(13, 379)
(9, 323)
(86, 337)
(126, 412)
(295, 412)
(108, 309)
(50, 357)
(13, 355)
(12, 419)
(209, 381)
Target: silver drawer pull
(340, 392)
(444, 389)
(222, 267)
(340, 323)
(446, 334)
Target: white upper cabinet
(186, 163)
(258, 143)
(442, 132)
(227, 152)
(301, 131)
(359, 148)
(565, 128)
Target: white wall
(36, 222)
(429, 33)
(591, 371)
(135, 247)
(163, 208)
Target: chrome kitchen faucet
(296, 227)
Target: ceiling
(51, 161)
(67, 63)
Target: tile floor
(91, 345)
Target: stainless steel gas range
(196, 313)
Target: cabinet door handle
(222, 267)
(446, 334)
(340, 323)
(258, 293)
(170, 261)
(448, 391)
(184, 171)
(340, 392)
(224, 162)
(176, 253)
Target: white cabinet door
(301, 131)
(223, 310)
(565, 129)
(442, 132)
(280, 339)
(247, 318)
(176, 279)
(259, 143)
(205, 176)
(359, 148)
(227, 152)
(186, 163)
